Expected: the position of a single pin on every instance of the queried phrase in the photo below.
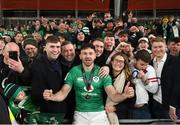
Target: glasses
(118, 61)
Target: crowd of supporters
(131, 56)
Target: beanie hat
(143, 39)
(11, 91)
(86, 30)
(30, 41)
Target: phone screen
(13, 55)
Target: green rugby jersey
(88, 100)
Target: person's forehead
(98, 42)
(12, 47)
(108, 37)
(158, 43)
(29, 46)
(123, 35)
(53, 44)
(172, 42)
(36, 34)
(68, 46)
(119, 57)
(18, 34)
(142, 41)
(87, 50)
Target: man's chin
(88, 63)
(54, 57)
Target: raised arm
(59, 96)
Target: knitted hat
(86, 30)
(30, 41)
(143, 39)
(11, 91)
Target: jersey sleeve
(69, 79)
(107, 81)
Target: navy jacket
(47, 75)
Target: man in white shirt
(145, 80)
(164, 65)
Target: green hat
(11, 91)
(30, 41)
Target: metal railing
(141, 122)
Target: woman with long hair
(121, 75)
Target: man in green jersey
(88, 88)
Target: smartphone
(13, 55)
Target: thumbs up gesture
(129, 91)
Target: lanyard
(88, 82)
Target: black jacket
(14, 77)
(47, 75)
(175, 93)
(4, 112)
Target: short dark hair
(97, 39)
(122, 33)
(109, 34)
(175, 39)
(66, 43)
(52, 39)
(86, 46)
(143, 55)
(17, 33)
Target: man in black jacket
(4, 111)
(174, 108)
(47, 74)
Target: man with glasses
(31, 49)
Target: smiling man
(166, 69)
(88, 88)
(47, 74)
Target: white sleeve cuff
(172, 107)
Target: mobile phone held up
(13, 55)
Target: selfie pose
(12, 69)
